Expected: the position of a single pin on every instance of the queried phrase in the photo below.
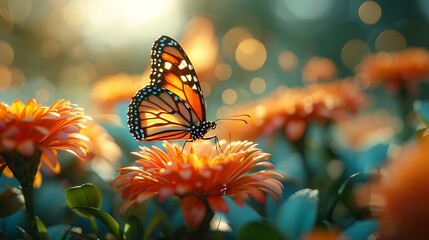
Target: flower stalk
(24, 169)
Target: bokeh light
(287, 60)
(251, 54)
(353, 52)
(390, 40)
(257, 85)
(229, 96)
(6, 53)
(223, 71)
(369, 12)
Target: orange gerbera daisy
(199, 177)
(292, 109)
(400, 197)
(33, 131)
(396, 70)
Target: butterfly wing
(156, 113)
(172, 69)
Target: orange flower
(374, 127)
(318, 69)
(31, 130)
(323, 234)
(103, 152)
(292, 109)
(199, 177)
(400, 198)
(109, 91)
(395, 70)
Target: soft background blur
(96, 53)
(59, 49)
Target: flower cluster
(32, 130)
(199, 177)
(292, 109)
(395, 70)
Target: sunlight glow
(117, 22)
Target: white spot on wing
(183, 64)
(189, 77)
(167, 65)
(183, 78)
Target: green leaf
(10, 201)
(43, 232)
(25, 234)
(86, 195)
(80, 235)
(154, 221)
(104, 217)
(134, 228)
(298, 213)
(422, 110)
(258, 230)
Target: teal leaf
(86, 195)
(105, 218)
(298, 213)
(133, 228)
(10, 202)
(422, 110)
(361, 229)
(258, 230)
(240, 216)
(43, 232)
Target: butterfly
(172, 106)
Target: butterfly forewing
(172, 69)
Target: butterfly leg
(183, 148)
(216, 139)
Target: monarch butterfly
(172, 106)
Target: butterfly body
(172, 106)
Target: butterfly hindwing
(158, 113)
(172, 69)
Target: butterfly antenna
(235, 118)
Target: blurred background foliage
(96, 53)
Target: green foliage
(10, 202)
(258, 230)
(86, 195)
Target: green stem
(94, 227)
(405, 106)
(300, 147)
(28, 193)
(24, 168)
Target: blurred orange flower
(323, 234)
(395, 69)
(103, 151)
(292, 109)
(318, 69)
(375, 127)
(32, 130)
(199, 177)
(400, 197)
